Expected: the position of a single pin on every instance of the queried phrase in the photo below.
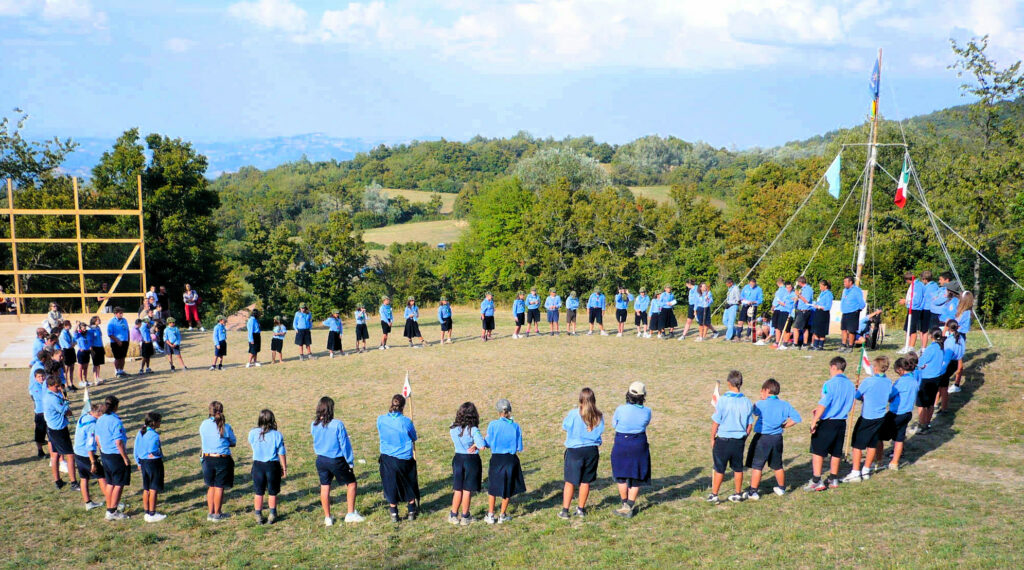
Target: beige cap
(638, 389)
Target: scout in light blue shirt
(64, 339)
(932, 362)
(37, 390)
(852, 300)
(533, 300)
(553, 302)
(302, 320)
(397, 435)
(917, 300)
(572, 302)
(805, 298)
(412, 312)
(147, 445)
(267, 446)
(465, 438)
(213, 441)
(779, 294)
(487, 308)
(95, 336)
(836, 398)
(622, 300)
(596, 301)
(504, 436)
(220, 333)
(82, 341)
(444, 311)
(751, 294)
(903, 395)
(874, 393)
(631, 418)
(704, 300)
(787, 300)
(641, 303)
(824, 300)
(172, 334)
(935, 298)
(577, 434)
(252, 327)
(386, 314)
(692, 295)
(109, 431)
(145, 333)
(773, 415)
(332, 440)
(333, 324)
(85, 435)
(734, 415)
(55, 409)
(117, 329)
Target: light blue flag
(832, 176)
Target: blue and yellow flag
(876, 80)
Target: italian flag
(901, 189)
(865, 363)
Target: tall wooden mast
(869, 183)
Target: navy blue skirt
(399, 479)
(505, 476)
(631, 458)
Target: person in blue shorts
(444, 316)
(553, 304)
(149, 457)
(519, 315)
(828, 425)
(730, 425)
(269, 464)
(773, 417)
(172, 343)
(334, 459)
(873, 392)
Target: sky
(734, 73)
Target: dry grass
(955, 501)
(433, 233)
(447, 199)
(661, 194)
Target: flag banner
(86, 404)
(901, 189)
(832, 176)
(715, 396)
(876, 80)
(406, 388)
(865, 363)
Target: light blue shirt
(252, 326)
(964, 322)
(504, 436)
(280, 330)
(117, 329)
(302, 321)
(751, 295)
(412, 312)
(692, 296)
(96, 336)
(949, 310)
(518, 306)
(82, 340)
(596, 301)
(773, 413)
(533, 301)
(572, 303)
(331, 440)
(779, 293)
(704, 300)
(917, 298)
(874, 392)
(55, 410)
(397, 435)
(837, 397)
(269, 447)
(807, 292)
(631, 418)
(38, 392)
(934, 297)
(64, 339)
(642, 302)
(463, 439)
(212, 440)
(853, 300)
(733, 414)
(932, 362)
(386, 314)
(110, 430)
(655, 305)
(220, 333)
(146, 334)
(37, 345)
(85, 435)
(333, 324)
(172, 335)
(665, 300)
(623, 301)
(444, 312)
(952, 348)
(552, 303)
(787, 301)
(147, 444)
(487, 308)
(576, 432)
(360, 317)
(903, 395)
(824, 300)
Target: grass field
(661, 194)
(955, 502)
(433, 233)
(447, 199)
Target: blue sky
(731, 72)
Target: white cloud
(281, 15)
(15, 7)
(75, 10)
(179, 45)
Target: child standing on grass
(668, 316)
(703, 309)
(773, 416)
(444, 316)
(97, 352)
(487, 317)
(386, 320)
(112, 442)
(553, 303)
(822, 315)
(583, 427)
(150, 459)
(631, 454)
(828, 425)
(533, 312)
(269, 464)
(145, 346)
(595, 311)
(362, 332)
(334, 332)
(654, 322)
(277, 341)
(932, 366)
(334, 459)
(572, 305)
(86, 455)
(952, 353)
(730, 425)
(57, 412)
(519, 314)
(302, 323)
(412, 323)
(217, 439)
(640, 305)
(873, 392)
(83, 351)
(37, 391)
(172, 343)
(467, 469)
(504, 474)
(398, 474)
(253, 330)
(220, 342)
(66, 342)
(901, 409)
(622, 300)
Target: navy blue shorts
(60, 440)
(115, 471)
(221, 349)
(467, 472)
(581, 464)
(152, 474)
(728, 452)
(329, 468)
(85, 468)
(266, 477)
(219, 471)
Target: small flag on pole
(406, 388)
(832, 176)
(865, 363)
(901, 189)
(86, 404)
(875, 84)
(715, 396)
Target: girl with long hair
(218, 466)
(398, 475)
(269, 464)
(334, 459)
(149, 457)
(467, 469)
(583, 426)
(112, 442)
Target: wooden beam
(14, 246)
(70, 240)
(66, 212)
(74, 272)
(142, 239)
(68, 295)
(113, 286)
(78, 236)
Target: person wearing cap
(444, 316)
(386, 320)
(583, 427)
(668, 316)
(654, 317)
(119, 334)
(303, 323)
(334, 332)
(533, 311)
(252, 329)
(631, 454)
(622, 300)
(751, 297)
(519, 314)
(640, 305)
(572, 304)
(487, 317)
(172, 343)
(412, 323)
(277, 340)
(362, 331)
(504, 473)
(937, 298)
(596, 304)
(398, 474)
(220, 343)
(552, 304)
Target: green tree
(549, 165)
(29, 163)
(332, 257)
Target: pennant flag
(406, 388)
(876, 80)
(715, 396)
(901, 189)
(832, 176)
(865, 363)
(86, 404)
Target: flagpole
(872, 159)
(910, 312)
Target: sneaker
(272, 518)
(865, 474)
(247, 365)
(698, 339)
(778, 490)
(736, 498)
(619, 335)
(783, 347)
(504, 519)
(489, 518)
(201, 329)
(110, 516)
(122, 507)
(833, 483)
(92, 505)
(659, 336)
(381, 347)
(921, 430)
(173, 368)
(624, 511)
(589, 333)
(466, 520)
(954, 389)
(394, 517)
(753, 495)
(894, 467)
(213, 368)
(563, 514)
(149, 371)
(812, 486)
(85, 383)
(75, 486)
(411, 515)
(713, 499)
(59, 483)
(580, 512)
(453, 518)
(759, 343)
(332, 354)
(157, 517)
(604, 333)
(852, 477)
(354, 517)
(257, 365)
(328, 521)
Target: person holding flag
(914, 302)
(873, 392)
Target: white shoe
(852, 477)
(381, 347)
(778, 490)
(698, 339)
(332, 355)
(85, 383)
(92, 505)
(201, 329)
(647, 335)
(354, 517)
(588, 334)
(190, 330)
(489, 518)
(659, 335)
(328, 521)
(619, 335)
(604, 333)
(155, 517)
(248, 364)
(894, 467)
(759, 343)
(639, 334)
(257, 364)
(865, 474)
(783, 347)
(954, 389)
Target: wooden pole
(872, 158)
(78, 237)
(142, 238)
(14, 248)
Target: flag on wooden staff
(901, 189)
(865, 363)
(715, 396)
(406, 388)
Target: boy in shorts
(901, 409)
(773, 416)
(874, 392)
(730, 425)
(828, 425)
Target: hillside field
(433, 233)
(661, 194)
(447, 198)
(955, 501)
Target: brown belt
(215, 455)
